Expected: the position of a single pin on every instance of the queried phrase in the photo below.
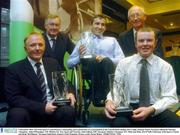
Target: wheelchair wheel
(77, 81)
(85, 117)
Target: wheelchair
(88, 88)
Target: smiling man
(137, 19)
(107, 53)
(29, 90)
(57, 43)
(151, 101)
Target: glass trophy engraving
(120, 97)
(59, 82)
(87, 41)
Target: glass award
(87, 41)
(120, 97)
(59, 83)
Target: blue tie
(41, 81)
(144, 97)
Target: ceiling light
(171, 24)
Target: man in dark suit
(24, 90)
(137, 18)
(57, 43)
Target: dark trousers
(63, 117)
(98, 72)
(164, 119)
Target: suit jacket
(126, 41)
(22, 88)
(63, 45)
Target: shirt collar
(149, 59)
(134, 32)
(49, 38)
(97, 37)
(33, 62)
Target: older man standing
(57, 43)
(137, 18)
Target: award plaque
(120, 97)
(59, 82)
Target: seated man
(28, 89)
(107, 54)
(150, 101)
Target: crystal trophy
(87, 41)
(120, 97)
(59, 82)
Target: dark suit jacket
(126, 41)
(22, 88)
(63, 45)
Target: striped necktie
(144, 97)
(41, 81)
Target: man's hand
(82, 49)
(72, 98)
(110, 109)
(142, 113)
(99, 58)
(50, 108)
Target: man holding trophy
(98, 55)
(36, 93)
(146, 83)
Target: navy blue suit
(126, 41)
(63, 45)
(24, 94)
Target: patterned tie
(54, 43)
(144, 97)
(41, 81)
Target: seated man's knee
(65, 116)
(107, 61)
(121, 122)
(18, 117)
(69, 112)
(108, 64)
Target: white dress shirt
(104, 46)
(161, 77)
(50, 40)
(49, 96)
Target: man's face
(53, 27)
(35, 47)
(145, 43)
(98, 26)
(136, 18)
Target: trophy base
(124, 111)
(61, 102)
(87, 56)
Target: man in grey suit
(24, 91)
(137, 18)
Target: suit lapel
(48, 73)
(131, 40)
(29, 71)
(48, 50)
